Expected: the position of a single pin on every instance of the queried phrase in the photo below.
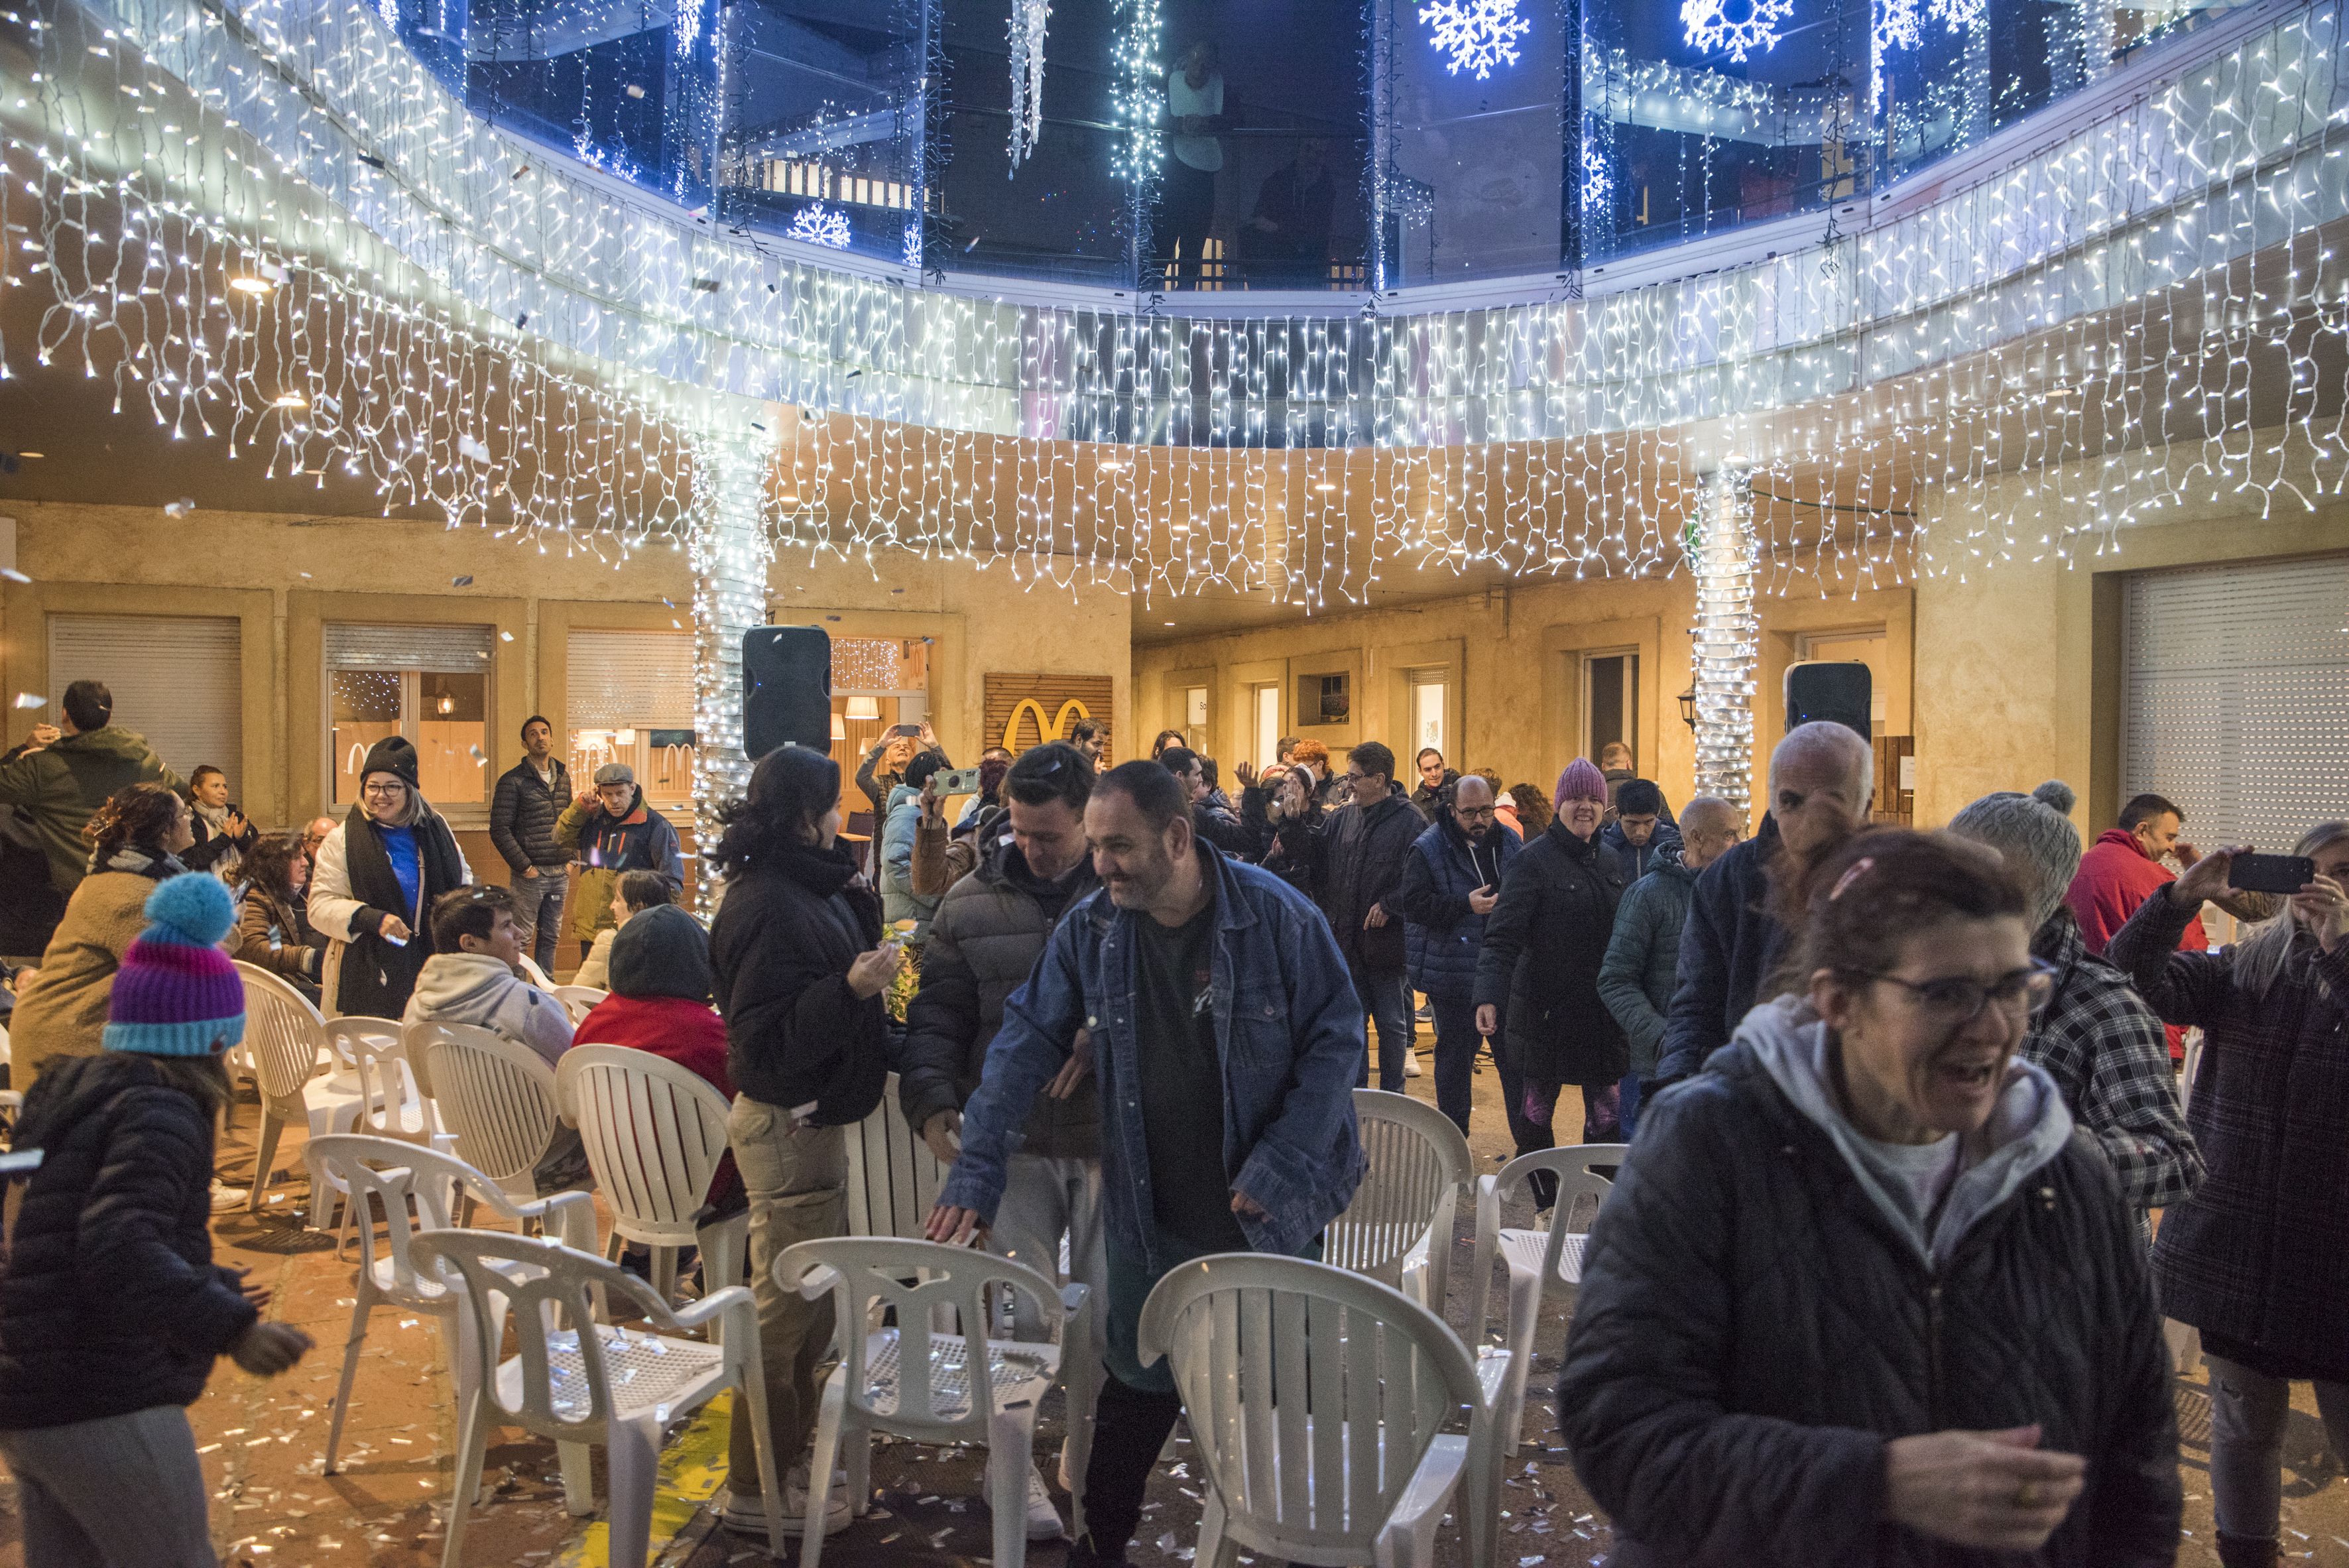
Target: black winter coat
(1359, 859)
(1543, 943)
(1751, 1330)
(1728, 944)
(984, 939)
(780, 948)
(522, 814)
(110, 1302)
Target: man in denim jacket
(1225, 1031)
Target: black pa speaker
(786, 689)
(1835, 693)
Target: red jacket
(2114, 877)
(684, 1031)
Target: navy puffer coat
(1442, 935)
(110, 1302)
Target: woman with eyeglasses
(372, 889)
(2258, 1258)
(1858, 1296)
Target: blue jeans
(1387, 1000)
(1455, 1055)
(1628, 1108)
(538, 912)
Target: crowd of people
(1873, 1281)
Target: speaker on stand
(1833, 693)
(786, 689)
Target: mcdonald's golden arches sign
(1027, 710)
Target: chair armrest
(1072, 1297)
(1488, 1241)
(725, 1302)
(569, 1214)
(818, 1282)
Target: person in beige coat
(136, 837)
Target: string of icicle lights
(2146, 314)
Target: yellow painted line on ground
(692, 1472)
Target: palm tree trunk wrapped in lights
(1724, 551)
(729, 553)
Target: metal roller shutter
(2236, 697)
(176, 679)
(629, 680)
(440, 650)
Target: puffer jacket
(639, 840)
(786, 933)
(62, 785)
(522, 814)
(1442, 935)
(110, 1302)
(1728, 944)
(1543, 943)
(1643, 958)
(1753, 1326)
(899, 901)
(990, 930)
(1360, 854)
(62, 1011)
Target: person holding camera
(2257, 1257)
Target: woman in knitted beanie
(111, 1309)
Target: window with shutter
(177, 680)
(429, 684)
(2236, 702)
(628, 697)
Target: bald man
(1822, 778)
(1451, 881)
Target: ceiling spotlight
(251, 285)
(1325, 487)
(290, 400)
(787, 500)
(1109, 465)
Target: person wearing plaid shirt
(2096, 1037)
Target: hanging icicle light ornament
(1026, 35)
(685, 31)
(1733, 28)
(1475, 34)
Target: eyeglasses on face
(383, 789)
(1955, 1000)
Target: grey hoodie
(475, 988)
(2028, 1128)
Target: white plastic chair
(1317, 1399)
(654, 1133)
(892, 1177)
(1397, 1229)
(286, 1040)
(578, 1000)
(535, 975)
(496, 1097)
(345, 1031)
(397, 1173)
(1535, 1259)
(577, 1382)
(928, 1398)
(391, 1103)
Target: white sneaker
(1410, 1064)
(748, 1514)
(226, 1198)
(1043, 1519)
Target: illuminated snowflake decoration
(1710, 26)
(820, 225)
(1598, 178)
(687, 30)
(1477, 33)
(913, 253)
(1901, 24)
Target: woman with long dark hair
(135, 840)
(111, 1309)
(2257, 1257)
(800, 967)
(273, 925)
(372, 891)
(1859, 1294)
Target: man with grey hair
(2096, 1036)
(1822, 778)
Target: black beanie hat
(394, 755)
(661, 952)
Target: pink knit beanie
(1580, 781)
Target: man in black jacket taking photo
(530, 795)
(984, 940)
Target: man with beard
(1451, 881)
(1225, 1037)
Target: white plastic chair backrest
(1575, 1179)
(655, 1133)
(1417, 1162)
(535, 975)
(545, 1284)
(892, 1177)
(345, 1030)
(283, 1032)
(394, 1171)
(1312, 1393)
(578, 1000)
(4, 1046)
(386, 1086)
(912, 1277)
(496, 1097)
